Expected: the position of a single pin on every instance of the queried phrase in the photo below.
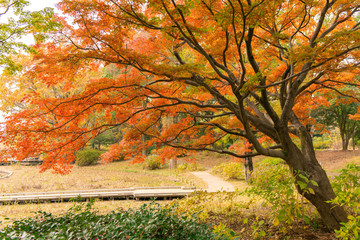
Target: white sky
(36, 5)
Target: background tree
(18, 24)
(105, 138)
(337, 115)
(238, 69)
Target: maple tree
(190, 74)
(15, 88)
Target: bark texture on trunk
(248, 168)
(304, 162)
(173, 163)
(345, 144)
(353, 140)
(345, 139)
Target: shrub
(182, 166)
(231, 170)
(228, 205)
(192, 166)
(224, 232)
(269, 161)
(346, 187)
(150, 221)
(225, 209)
(153, 162)
(323, 142)
(87, 157)
(275, 185)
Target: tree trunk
(173, 163)
(305, 163)
(345, 144)
(353, 140)
(344, 140)
(248, 168)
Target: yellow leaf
(276, 222)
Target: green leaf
(314, 183)
(356, 234)
(302, 185)
(304, 177)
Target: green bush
(231, 170)
(274, 183)
(182, 166)
(346, 187)
(87, 157)
(153, 162)
(150, 221)
(269, 161)
(192, 166)
(323, 142)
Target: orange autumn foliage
(188, 74)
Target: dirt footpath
(214, 183)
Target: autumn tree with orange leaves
(191, 73)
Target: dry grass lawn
(101, 176)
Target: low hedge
(87, 157)
(150, 221)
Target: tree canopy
(190, 73)
(338, 114)
(15, 23)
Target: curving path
(5, 174)
(214, 183)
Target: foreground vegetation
(269, 209)
(150, 221)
